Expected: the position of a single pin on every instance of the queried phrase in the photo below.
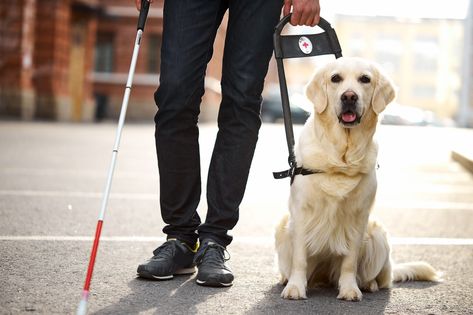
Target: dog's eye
(364, 79)
(336, 78)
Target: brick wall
(35, 58)
(51, 58)
(16, 50)
(47, 53)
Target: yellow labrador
(327, 236)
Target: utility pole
(465, 112)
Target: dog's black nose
(349, 97)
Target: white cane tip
(82, 309)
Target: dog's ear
(316, 91)
(384, 93)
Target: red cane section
(93, 254)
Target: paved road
(51, 181)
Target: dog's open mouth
(349, 118)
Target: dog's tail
(418, 270)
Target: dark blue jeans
(189, 32)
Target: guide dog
(327, 236)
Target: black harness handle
(299, 46)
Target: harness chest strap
(293, 171)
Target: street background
(68, 60)
(51, 180)
(63, 67)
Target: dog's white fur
(327, 236)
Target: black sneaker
(210, 260)
(172, 258)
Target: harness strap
(293, 171)
(287, 47)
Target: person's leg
(189, 28)
(248, 49)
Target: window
(420, 91)
(388, 51)
(154, 53)
(426, 51)
(104, 53)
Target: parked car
(396, 114)
(272, 108)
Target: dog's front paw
(294, 291)
(350, 294)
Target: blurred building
(68, 60)
(423, 56)
(114, 44)
(46, 49)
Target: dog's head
(348, 88)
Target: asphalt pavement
(51, 180)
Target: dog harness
(297, 46)
(293, 171)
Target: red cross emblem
(305, 45)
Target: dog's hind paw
(350, 294)
(371, 286)
(294, 291)
(283, 280)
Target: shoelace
(214, 255)
(164, 251)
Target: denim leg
(189, 29)
(248, 49)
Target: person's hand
(304, 12)
(138, 4)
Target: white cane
(82, 309)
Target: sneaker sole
(213, 283)
(183, 271)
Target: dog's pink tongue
(348, 117)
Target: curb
(463, 159)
